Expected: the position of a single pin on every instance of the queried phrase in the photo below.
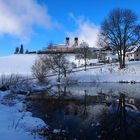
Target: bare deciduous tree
(41, 68)
(83, 52)
(59, 64)
(120, 31)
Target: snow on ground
(22, 63)
(71, 58)
(109, 73)
(16, 123)
(17, 64)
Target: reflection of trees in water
(62, 92)
(113, 120)
(85, 113)
(89, 113)
(116, 122)
(121, 124)
(87, 107)
(137, 103)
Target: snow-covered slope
(22, 63)
(109, 73)
(17, 64)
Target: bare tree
(41, 68)
(10, 80)
(59, 64)
(120, 31)
(83, 52)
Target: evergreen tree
(16, 50)
(21, 49)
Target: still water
(104, 111)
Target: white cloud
(17, 17)
(86, 31)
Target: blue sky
(35, 23)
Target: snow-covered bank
(109, 73)
(16, 123)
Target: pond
(88, 111)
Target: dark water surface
(90, 111)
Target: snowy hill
(22, 63)
(17, 64)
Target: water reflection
(87, 112)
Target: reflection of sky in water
(85, 117)
(132, 90)
(79, 119)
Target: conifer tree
(16, 50)
(21, 49)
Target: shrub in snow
(41, 68)
(10, 80)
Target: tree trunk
(65, 73)
(120, 60)
(121, 57)
(59, 75)
(123, 63)
(85, 66)
(85, 63)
